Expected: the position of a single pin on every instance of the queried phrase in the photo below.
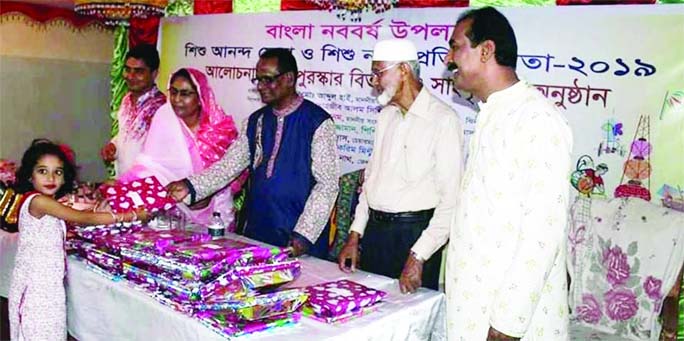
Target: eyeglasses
(267, 80)
(379, 72)
(184, 94)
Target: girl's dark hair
(38, 149)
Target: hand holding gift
(146, 192)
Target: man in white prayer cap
(412, 178)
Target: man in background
(137, 107)
(411, 188)
(290, 148)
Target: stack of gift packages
(227, 284)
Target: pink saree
(172, 151)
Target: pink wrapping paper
(226, 248)
(201, 271)
(205, 260)
(101, 258)
(73, 245)
(257, 307)
(147, 238)
(235, 283)
(227, 324)
(91, 233)
(332, 299)
(339, 319)
(147, 192)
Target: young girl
(37, 303)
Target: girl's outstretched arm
(42, 205)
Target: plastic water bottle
(216, 227)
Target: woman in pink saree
(188, 134)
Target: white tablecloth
(101, 309)
(8, 248)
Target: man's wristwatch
(416, 257)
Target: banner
(616, 72)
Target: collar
(505, 95)
(420, 105)
(147, 95)
(290, 108)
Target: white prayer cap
(395, 50)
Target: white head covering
(395, 50)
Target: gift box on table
(237, 282)
(227, 324)
(147, 192)
(147, 238)
(179, 289)
(333, 301)
(234, 251)
(257, 306)
(105, 260)
(93, 232)
(204, 260)
(252, 277)
(73, 245)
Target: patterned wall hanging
(119, 12)
(637, 168)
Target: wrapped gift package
(333, 299)
(220, 282)
(257, 307)
(263, 275)
(227, 324)
(235, 283)
(236, 252)
(147, 238)
(193, 271)
(73, 245)
(90, 233)
(147, 192)
(308, 312)
(97, 256)
(180, 289)
(204, 260)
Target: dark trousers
(387, 241)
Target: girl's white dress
(37, 300)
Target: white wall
(54, 83)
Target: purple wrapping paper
(336, 298)
(254, 276)
(227, 324)
(233, 251)
(91, 233)
(257, 307)
(201, 271)
(105, 260)
(73, 245)
(238, 282)
(308, 312)
(203, 261)
(147, 238)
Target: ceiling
(69, 4)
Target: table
(101, 309)
(8, 248)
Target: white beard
(386, 96)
